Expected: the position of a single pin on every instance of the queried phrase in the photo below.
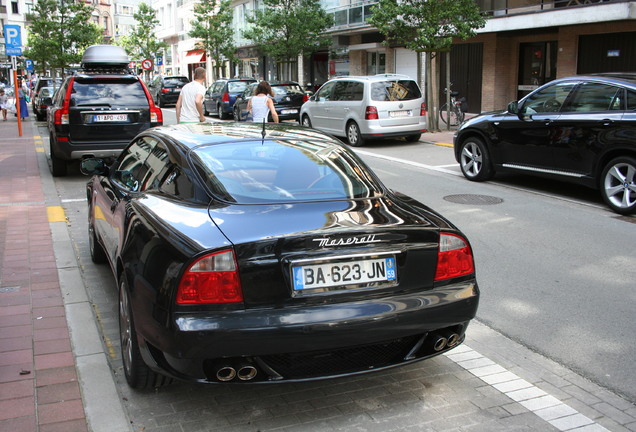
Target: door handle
(607, 122)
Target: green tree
(427, 26)
(289, 29)
(59, 32)
(142, 42)
(212, 25)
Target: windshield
(255, 172)
(395, 90)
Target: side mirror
(94, 166)
(513, 107)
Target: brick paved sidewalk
(39, 388)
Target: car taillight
(212, 279)
(61, 115)
(165, 90)
(371, 113)
(225, 97)
(454, 257)
(305, 97)
(423, 109)
(156, 115)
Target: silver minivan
(359, 108)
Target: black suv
(578, 129)
(221, 96)
(98, 111)
(38, 109)
(165, 90)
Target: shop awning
(195, 56)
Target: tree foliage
(426, 25)
(212, 25)
(285, 29)
(59, 32)
(142, 43)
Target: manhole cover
(473, 199)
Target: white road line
(540, 403)
(415, 164)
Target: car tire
(306, 121)
(220, 112)
(474, 160)
(161, 103)
(98, 255)
(236, 114)
(138, 374)
(205, 110)
(40, 116)
(618, 185)
(58, 166)
(413, 138)
(354, 137)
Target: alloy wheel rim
(125, 330)
(620, 185)
(471, 159)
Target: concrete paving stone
(613, 413)
(540, 402)
(515, 408)
(22, 424)
(315, 426)
(631, 426)
(571, 422)
(78, 425)
(51, 361)
(581, 394)
(56, 375)
(348, 422)
(274, 423)
(512, 385)
(615, 400)
(58, 392)
(476, 363)
(332, 400)
(525, 394)
(500, 378)
(555, 412)
(554, 390)
(60, 411)
(17, 389)
(51, 346)
(8, 358)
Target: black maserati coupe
(249, 254)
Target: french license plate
(289, 111)
(98, 118)
(329, 275)
(402, 113)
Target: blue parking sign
(28, 64)
(12, 36)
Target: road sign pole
(17, 99)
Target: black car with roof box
(99, 109)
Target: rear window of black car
(289, 89)
(395, 90)
(255, 172)
(175, 82)
(110, 92)
(237, 86)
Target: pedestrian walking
(261, 104)
(24, 109)
(3, 104)
(189, 106)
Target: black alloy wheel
(306, 121)
(98, 255)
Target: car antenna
(263, 133)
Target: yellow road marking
(443, 144)
(56, 214)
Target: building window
(14, 7)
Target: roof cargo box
(103, 56)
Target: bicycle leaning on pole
(456, 112)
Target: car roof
(379, 77)
(195, 134)
(627, 77)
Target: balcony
(351, 15)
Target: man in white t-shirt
(190, 103)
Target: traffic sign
(28, 64)
(12, 37)
(146, 64)
(14, 51)
(159, 60)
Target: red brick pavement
(39, 389)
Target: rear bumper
(201, 343)
(374, 130)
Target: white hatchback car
(367, 107)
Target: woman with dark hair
(261, 104)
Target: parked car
(221, 95)
(41, 101)
(165, 90)
(99, 109)
(40, 83)
(359, 108)
(247, 257)
(288, 97)
(579, 129)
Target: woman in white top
(261, 104)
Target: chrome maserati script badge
(327, 242)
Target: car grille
(341, 361)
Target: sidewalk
(39, 387)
